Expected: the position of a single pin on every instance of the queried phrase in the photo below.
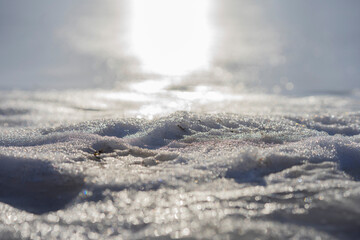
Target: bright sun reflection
(171, 37)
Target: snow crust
(263, 167)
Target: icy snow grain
(287, 174)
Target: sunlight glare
(171, 37)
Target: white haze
(302, 46)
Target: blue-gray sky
(309, 45)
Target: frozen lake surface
(194, 164)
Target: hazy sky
(300, 45)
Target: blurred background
(288, 47)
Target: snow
(240, 121)
(83, 165)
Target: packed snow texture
(257, 166)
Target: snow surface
(103, 164)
